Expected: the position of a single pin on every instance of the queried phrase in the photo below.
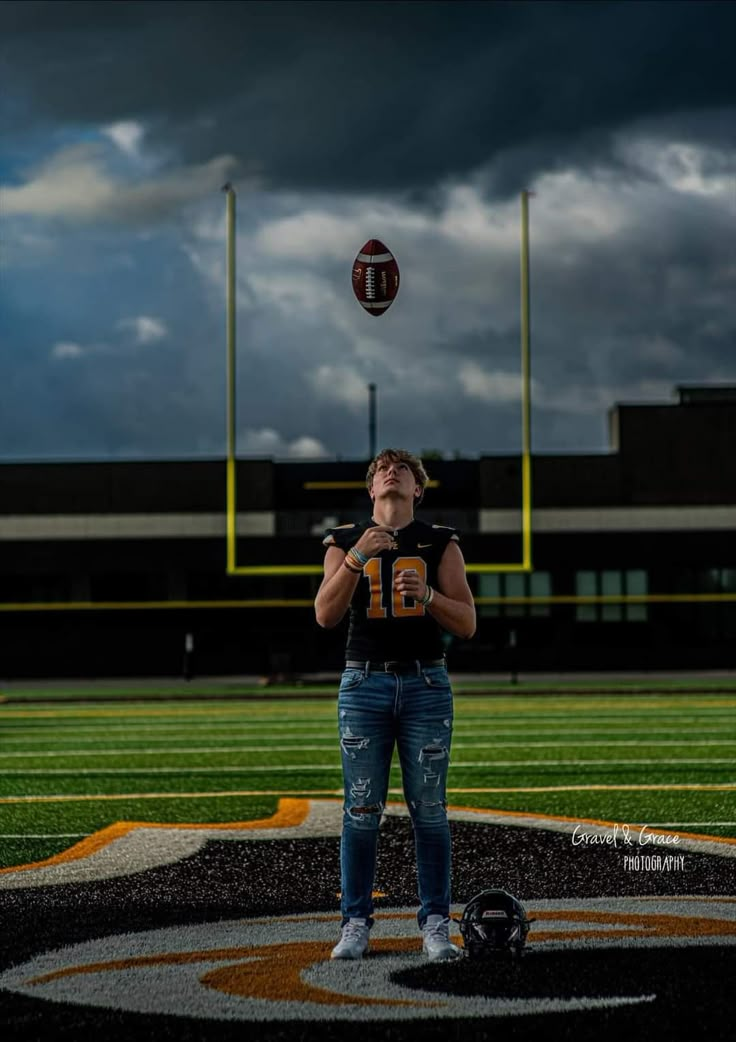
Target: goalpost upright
(526, 409)
(233, 568)
(232, 510)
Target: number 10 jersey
(385, 626)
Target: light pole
(372, 449)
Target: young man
(403, 581)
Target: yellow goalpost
(233, 568)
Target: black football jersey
(385, 626)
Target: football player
(403, 582)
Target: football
(375, 277)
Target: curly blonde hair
(400, 456)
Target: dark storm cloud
(388, 96)
(425, 119)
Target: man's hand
(375, 540)
(409, 584)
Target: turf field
(68, 770)
(84, 769)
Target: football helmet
(494, 923)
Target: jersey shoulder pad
(344, 536)
(446, 533)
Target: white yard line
(298, 793)
(302, 767)
(32, 754)
(166, 725)
(45, 835)
(329, 731)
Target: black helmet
(494, 922)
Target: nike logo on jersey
(423, 546)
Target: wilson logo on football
(375, 277)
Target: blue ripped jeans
(414, 712)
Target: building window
(637, 584)
(515, 584)
(717, 580)
(612, 582)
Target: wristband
(355, 559)
(428, 597)
(355, 571)
(359, 556)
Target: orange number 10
(399, 608)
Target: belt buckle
(399, 666)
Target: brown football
(375, 277)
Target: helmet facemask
(494, 924)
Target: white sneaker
(354, 940)
(437, 945)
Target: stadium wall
(112, 568)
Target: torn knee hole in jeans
(416, 804)
(352, 743)
(359, 812)
(429, 757)
(360, 791)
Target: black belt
(396, 666)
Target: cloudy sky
(416, 123)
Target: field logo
(279, 969)
(126, 847)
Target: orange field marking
(289, 814)
(595, 821)
(292, 812)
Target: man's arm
(452, 604)
(338, 585)
(336, 590)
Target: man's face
(394, 479)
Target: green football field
(73, 762)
